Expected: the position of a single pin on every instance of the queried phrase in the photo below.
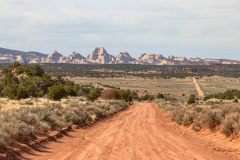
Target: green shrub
(23, 81)
(125, 95)
(70, 88)
(92, 95)
(229, 95)
(147, 97)
(191, 99)
(160, 96)
(9, 91)
(56, 92)
(22, 93)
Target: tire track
(198, 88)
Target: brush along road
(142, 132)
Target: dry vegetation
(25, 124)
(173, 86)
(216, 84)
(24, 119)
(224, 117)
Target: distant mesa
(101, 56)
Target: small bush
(9, 91)
(147, 97)
(211, 119)
(228, 127)
(191, 99)
(56, 92)
(196, 127)
(125, 95)
(160, 96)
(92, 95)
(22, 93)
(235, 100)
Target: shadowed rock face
(76, 58)
(54, 57)
(125, 58)
(101, 56)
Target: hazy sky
(203, 28)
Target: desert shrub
(93, 95)
(196, 127)
(229, 95)
(188, 117)
(160, 96)
(224, 117)
(70, 88)
(110, 94)
(212, 118)
(15, 65)
(9, 91)
(5, 141)
(134, 95)
(21, 93)
(125, 95)
(37, 70)
(10, 79)
(23, 81)
(228, 127)
(56, 92)
(191, 99)
(18, 131)
(146, 97)
(231, 123)
(235, 100)
(177, 115)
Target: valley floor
(142, 132)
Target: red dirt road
(140, 133)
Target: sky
(191, 28)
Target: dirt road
(140, 133)
(198, 88)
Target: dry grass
(216, 84)
(26, 123)
(7, 104)
(224, 117)
(173, 86)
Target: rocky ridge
(101, 56)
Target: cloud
(186, 27)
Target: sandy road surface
(140, 133)
(198, 88)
